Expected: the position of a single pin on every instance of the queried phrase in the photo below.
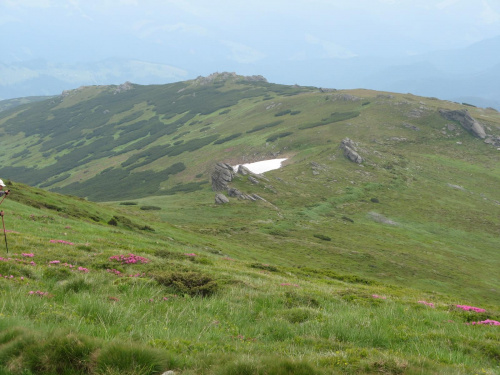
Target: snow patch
(262, 166)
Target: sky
(199, 37)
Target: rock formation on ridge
(350, 150)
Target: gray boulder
(222, 175)
(243, 170)
(253, 180)
(235, 193)
(221, 199)
(466, 120)
(350, 151)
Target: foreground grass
(74, 306)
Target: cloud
(5, 19)
(331, 49)
(27, 3)
(242, 53)
(147, 29)
(488, 14)
(446, 3)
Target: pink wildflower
(470, 308)
(54, 262)
(430, 304)
(83, 269)
(130, 259)
(485, 322)
(190, 254)
(28, 255)
(377, 296)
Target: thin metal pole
(4, 232)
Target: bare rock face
(466, 120)
(350, 151)
(221, 199)
(222, 175)
(243, 170)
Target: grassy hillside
(81, 296)
(343, 268)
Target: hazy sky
(201, 34)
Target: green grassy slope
(80, 296)
(294, 275)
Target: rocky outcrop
(123, 87)
(350, 151)
(235, 193)
(221, 199)
(224, 76)
(466, 120)
(243, 170)
(493, 140)
(221, 176)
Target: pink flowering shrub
(190, 254)
(28, 255)
(485, 322)
(62, 241)
(430, 304)
(471, 308)
(129, 259)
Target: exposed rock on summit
(466, 120)
(350, 151)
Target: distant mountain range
(470, 75)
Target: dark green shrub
(128, 204)
(61, 354)
(347, 219)
(265, 267)
(334, 117)
(78, 285)
(322, 237)
(227, 139)
(57, 273)
(297, 315)
(293, 299)
(264, 126)
(374, 200)
(150, 208)
(277, 136)
(283, 113)
(191, 283)
(113, 221)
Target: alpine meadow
(132, 245)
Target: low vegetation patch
(189, 283)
